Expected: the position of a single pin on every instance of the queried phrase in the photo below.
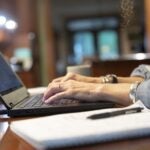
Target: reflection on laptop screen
(8, 80)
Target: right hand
(71, 89)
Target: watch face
(112, 78)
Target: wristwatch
(110, 78)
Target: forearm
(130, 79)
(139, 74)
(118, 93)
(120, 79)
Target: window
(83, 46)
(95, 37)
(108, 44)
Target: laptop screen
(8, 79)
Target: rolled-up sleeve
(142, 71)
(143, 92)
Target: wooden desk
(10, 141)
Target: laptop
(18, 102)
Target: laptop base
(51, 110)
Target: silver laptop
(18, 102)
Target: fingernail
(46, 102)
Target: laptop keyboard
(36, 101)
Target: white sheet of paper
(75, 129)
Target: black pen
(115, 113)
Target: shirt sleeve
(142, 71)
(143, 92)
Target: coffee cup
(80, 69)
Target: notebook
(75, 129)
(15, 96)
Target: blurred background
(39, 38)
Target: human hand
(71, 89)
(77, 77)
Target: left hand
(78, 77)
